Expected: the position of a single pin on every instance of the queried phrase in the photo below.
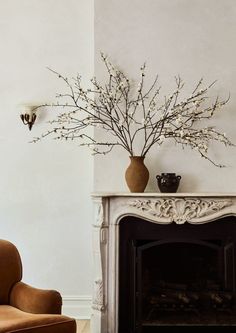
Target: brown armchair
(24, 309)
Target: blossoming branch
(130, 113)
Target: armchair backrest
(10, 269)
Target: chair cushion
(14, 320)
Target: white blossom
(143, 121)
(179, 119)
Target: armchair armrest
(33, 300)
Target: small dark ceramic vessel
(168, 182)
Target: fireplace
(176, 275)
(163, 260)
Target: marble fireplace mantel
(160, 208)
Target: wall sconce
(28, 115)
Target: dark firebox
(173, 275)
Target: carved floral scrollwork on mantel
(98, 296)
(99, 213)
(180, 210)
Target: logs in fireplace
(175, 301)
(176, 275)
(172, 297)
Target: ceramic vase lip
(168, 173)
(136, 157)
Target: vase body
(137, 174)
(168, 182)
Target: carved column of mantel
(100, 241)
(159, 208)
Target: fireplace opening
(174, 275)
(186, 283)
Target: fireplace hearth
(163, 260)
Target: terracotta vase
(137, 174)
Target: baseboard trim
(78, 307)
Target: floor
(83, 326)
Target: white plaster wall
(45, 205)
(192, 38)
